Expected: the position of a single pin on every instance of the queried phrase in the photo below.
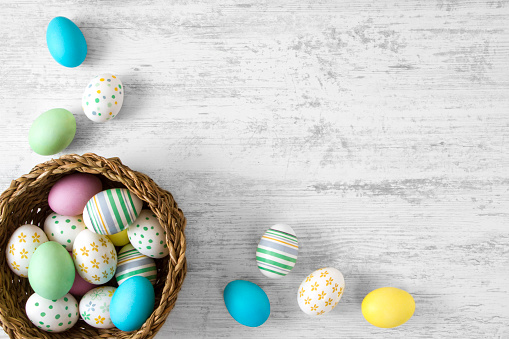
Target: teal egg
(246, 302)
(52, 131)
(66, 42)
(132, 304)
(51, 271)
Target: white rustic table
(376, 129)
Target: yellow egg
(119, 239)
(388, 307)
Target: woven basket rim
(111, 170)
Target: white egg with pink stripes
(111, 211)
(277, 251)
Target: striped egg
(132, 263)
(111, 211)
(277, 251)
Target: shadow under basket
(26, 202)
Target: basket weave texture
(26, 202)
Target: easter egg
(277, 251)
(69, 195)
(52, 131)
(246, 302)
(321, 291)
(55, 315)
(111, 211)
(95, 307)
(95, 257)
(132, 304)
(63, 229)
(80, 286)
(388, 307)
(148, 236)
(65, 42)
(119, 239)
(132, 263)
(51, 271)
(20, 247)
(103, 98)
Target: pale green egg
(52, 131)
(51, 271)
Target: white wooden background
(376, 129)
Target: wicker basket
(26, 202)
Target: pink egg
(80, 286)
(70, 194)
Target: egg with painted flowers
(321, 291)
(94, 257)
(63, 229)
(111, 211)
(21, 246)
(148, 236)
(95, 307)
(57, 315)
(103, 98)
(277, 251)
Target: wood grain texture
(376, 129)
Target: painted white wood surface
(377, 129)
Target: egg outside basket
(26, 202)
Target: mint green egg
(52, 131)
(51, 271)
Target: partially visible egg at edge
(21, 246)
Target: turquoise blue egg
(247, 303)
(132, 304)
(66, 43)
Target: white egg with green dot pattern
(103, 98)
(52, 315)
(63, 229)
(148, 236)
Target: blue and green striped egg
(111, 211)
(277, 251)
(132, 263)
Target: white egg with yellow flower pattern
(95, 307)
(22, 244)
(95, 257)
(321, 291)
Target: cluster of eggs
(319, 292)
(91, 237)
(114, 218)
(54, 130)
